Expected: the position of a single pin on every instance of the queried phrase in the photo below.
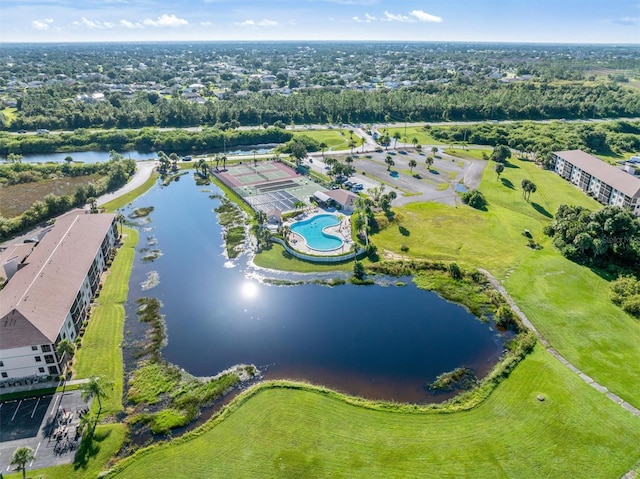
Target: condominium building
(49, 290)
(608, 184)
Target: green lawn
(469, 154)
(88, 462)
(334, 139)
(423, 136)
(277, 258)
(574, 432)
(567, 302)
(100, 354)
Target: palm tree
(323, 146)
(429, 162)
(164, 162)
(173, 157)
(389, 161)
(120, 219)
(21, 457)
(412, 164)
(396, 136)
(499, 169)
(95, 388)
(255, 160)
(202, 165)
(286, 231)
(352, 145)
(434, 150)
(298, 205)
(224, 162)
(93, 204)
(415, 142)
(528, 187)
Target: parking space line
(35, 407)
(16, 411)
(55, 400)
(35, 454)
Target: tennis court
(269, 185)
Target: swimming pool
(312, 232)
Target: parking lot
(46, 423)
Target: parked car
(186, 158)
(22, 132)
(42, 131)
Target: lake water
(374, 341)
(101, 156)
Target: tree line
(614, 137)
(452, 101)
(144, 140)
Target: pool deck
(342, 231)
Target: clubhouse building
(50, 286)
(608, 184)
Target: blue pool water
(460, 188)
(311, 231)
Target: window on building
(5, 375)
(1, 364)
(49, 359)
(46, 348)
(34, 348)
(53, 370)
(69, 325)
(41, 370)
(38, 359)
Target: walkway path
(591, 382)
(142, 174)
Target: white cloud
(425, 17)
(206, 24)
(128, 24)
(166, 21)
(367, 19)
(391, 17)
(42, 24)
(93, 24)
(261, 23)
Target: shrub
(455, 271)
(475, 199)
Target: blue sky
(547, 21)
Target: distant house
(49, 290)
(345, 199)
(608, 184)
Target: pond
(100, 156)
(374, 341)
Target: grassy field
(100, 354)
(89, 462)
(574, 432)
(423, 136)
(569, 303)
(16, 199)
(469, 154)
(335, 140)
